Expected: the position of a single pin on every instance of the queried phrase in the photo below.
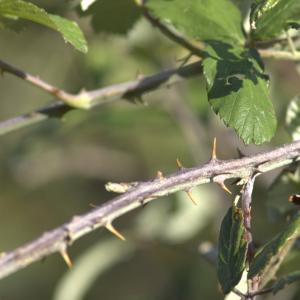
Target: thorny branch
(215, 170)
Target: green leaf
(26, 10)
(232, 249)
(282, 282)
(267, 261)
(201, 20)
(112, 16)
(238, 91)
(293, 118)
(271, 17)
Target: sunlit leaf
(26, 10)
(238, 91)
(271, 17)
(201, 20)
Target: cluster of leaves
(233, 251)
(238, 91)
(236, 84)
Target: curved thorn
(114, 231)
(224, 187)
(179, 164)
(66, 258)
(190, 195)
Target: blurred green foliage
(54, 170)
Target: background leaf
(232, 249)
(124, 13)
(26, 10)
(267, 261)
(238, 91)
(201, 20)
(272, 17)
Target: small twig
(246, 201)
(291, 43)
(80, 100)
(171, 34)
(127, 90)
(271, 43)
(279, 55)
(59, 239)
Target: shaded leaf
(282, 282)
(112, 16)
(267, 261)
(292, 118)
(271, 17)
(201, 20)
(238, 91)
(26, 10)
(232, 249)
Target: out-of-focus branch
(89, 99)
(168, 32)
(215, 170)
(127, 90)
(279, 55)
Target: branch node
(120, 188)
(160, 175)
(114, 231)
